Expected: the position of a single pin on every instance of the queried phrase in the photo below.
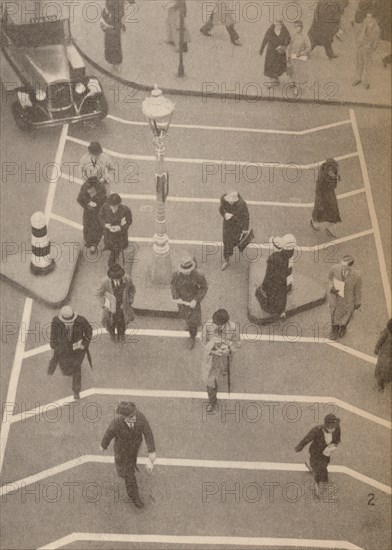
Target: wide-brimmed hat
(95, 148)
(287, 242)
(220, 317)
(232, 196)
(187, 263)
(115, 271)
(347, 260)
(126, 408)
(331, 421)
(67, 314)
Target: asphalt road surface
(235, 474)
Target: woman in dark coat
(272, 293)
(383, 350)
(324, 440)
(277, 38)
(92, 197)
(115, 218)
(235, 215)
(112, 25)
(326, 23)
(325, 205)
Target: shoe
(225, 265)
(313, 226)
(191, 343)
(76, 396)
(334, 332)
(211, 407)
(206, 33)
(330, 233)
(138, 502)
(235, 43)
(334, 56)
(367, 86)
(342, 331)
(356, 82)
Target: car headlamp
(40, 95)
(80, 88)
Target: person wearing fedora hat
(70, 337)
(345, 294)
(115, 219)
(235, 214)
(188, 288)
(92, 197)
(221, 339)
(96, 163)
(116, 294)
(326, 210)
(324, 440)
(272, 293)
(128, 430)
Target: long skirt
(319, 464)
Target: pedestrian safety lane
(203, 541)
(9, 488)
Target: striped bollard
(289, 278)
(41, 262)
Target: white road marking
(238, 129)
(178, 394)
(204, 541)
(191, 463)
(151, 158)
(372, 212)
(315, 248)
(56, 172)
(14, 378)
(130, 196)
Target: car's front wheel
(20, 116)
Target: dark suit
(61, 342)
(318, 461)
(127, 442)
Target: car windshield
(34, 35)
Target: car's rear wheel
(104, 107)
(20, 116)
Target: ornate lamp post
(158, 110)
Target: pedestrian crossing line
(239, 129)
(56, 171)
(191, 463)
(179, 394)
(203, 541)
(152, 158)
(315, 248)
(248, 337)
(130, 196)
(372, 213)
(14, 377)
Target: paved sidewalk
(215, 65)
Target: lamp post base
(151, 276)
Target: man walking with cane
(128, 430)
(221, 339)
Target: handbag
(247, 236)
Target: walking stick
(228, 375)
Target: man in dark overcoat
(70, 336)
(115, 218)
(128, 430)
(188, 288)
(92, 197)
(326, 210)
(326, 23)
(235, 214)
(324, 440)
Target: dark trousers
(131, 484)
(118, 322)
(230, 28)
(116, 253)
(77, 379)
(192, 328)
(319, 466)
(212, 393)
(327, 46)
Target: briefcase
(246, 238)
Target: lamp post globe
(158, 110)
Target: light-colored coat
(214, 365)
(342, 308)
(128, 297)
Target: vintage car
(54, 88)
